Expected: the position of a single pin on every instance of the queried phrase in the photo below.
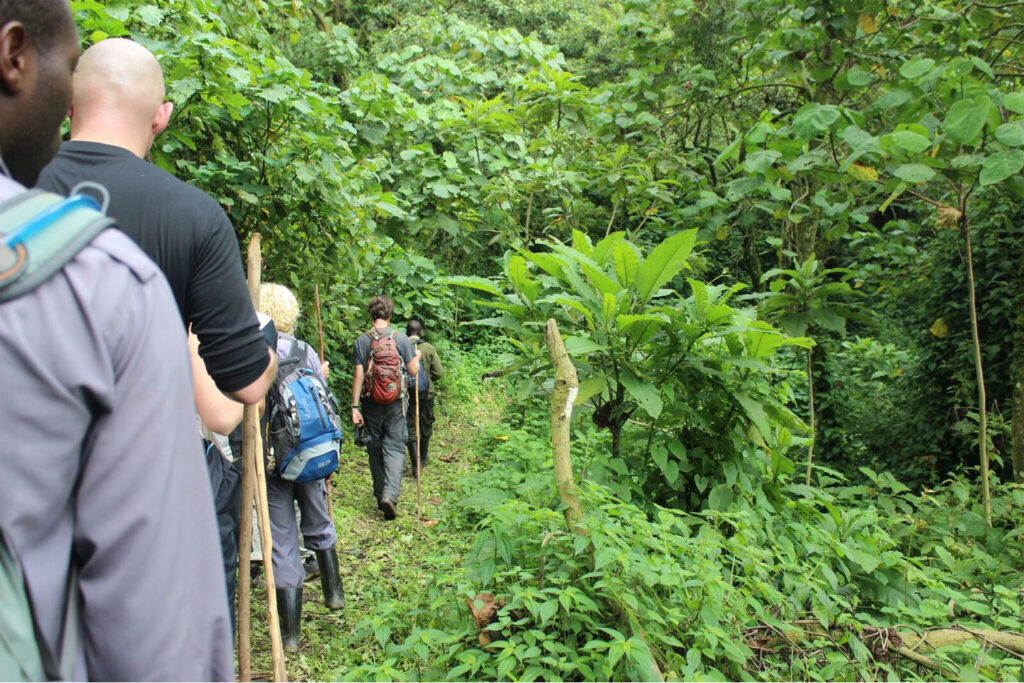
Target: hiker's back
(96, 396)
(174, 223)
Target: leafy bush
(652, 592)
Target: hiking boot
(289, 609)
(330, 579)
(388, 508)
(311, 568)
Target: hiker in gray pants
(384, 422)
(318, 532)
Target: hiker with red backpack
(384, 358)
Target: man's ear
(162, 118)
(13, 57)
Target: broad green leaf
(966, 118)
(149, 15)
(604, 284)
(572, 302)
(721, 497)
(1001, 166)
(761, 160)
(549, 263)
(893, 99)
(730, 152)
(626, 262)
(644, 393)
(868, 562)
(627, 321)
(517, 271)
(581, 346)
(916, 67)
(914, 173)
(581, 243)
(755, 411)
(473, 282)
(859, 140)
(1011, 134)
(858, 77)
(1014, 102)
(590, 388)
(910, 141)
(609, 305)
(604, 248)
(982, 66)
(814, 118)
(663, 263)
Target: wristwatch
(355, 407)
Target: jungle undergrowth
(400, 560)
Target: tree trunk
(965, 224)
(566, 386)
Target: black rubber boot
(289, 608)
(334, 594)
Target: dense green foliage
(781, 238)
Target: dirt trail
(382, 560)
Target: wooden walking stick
(320, 331)
(419, 492)
(254, 489)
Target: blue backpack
(305, 430)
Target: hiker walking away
(117, 109)
(295, 360)
(431, 370)
(378, 386)
(99, 452)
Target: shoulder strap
(296, 355)
(48, 231)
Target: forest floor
(381, 560)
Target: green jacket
(429, 362)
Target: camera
(362, 438)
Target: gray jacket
(96, 390)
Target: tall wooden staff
(419, 491)
(254, 489)
(320, 331)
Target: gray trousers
(386, 426)
(317, 527)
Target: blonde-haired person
(278, 302)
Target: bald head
(119, 96)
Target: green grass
(382, 561)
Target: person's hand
(325, 368)
(357, 417)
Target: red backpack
(382, 382)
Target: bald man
(117, 110)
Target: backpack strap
(296, 355)
(49, 230)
